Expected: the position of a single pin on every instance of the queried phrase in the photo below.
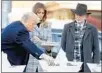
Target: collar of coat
(87, 25)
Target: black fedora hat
(81, 9)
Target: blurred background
(58, 14)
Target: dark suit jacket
(16, 43)
(90, 44)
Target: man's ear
(27, 22)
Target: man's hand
(48, 59)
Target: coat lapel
(87, 31)
(72, 29)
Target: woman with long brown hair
(41, 33)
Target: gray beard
(80, 22)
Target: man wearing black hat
(80, 39)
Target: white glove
(48, 59)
